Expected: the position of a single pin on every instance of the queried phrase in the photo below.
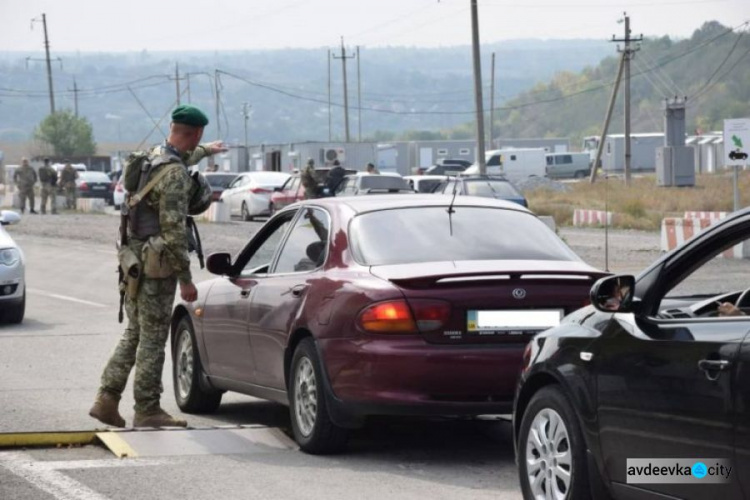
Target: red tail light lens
(83, 186)
(118, 188)
(430, 314)
(388, 317)
(259, 190)
(527, 356)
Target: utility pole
(246, 113)
(492, 102)
(330, 138)
(343, 58)
(359, 99)
(607, 118)
(75, 96)
(187, 83)
(216, 87)
(481, 161)
(177, 80)
(628, 52)
(49, 63)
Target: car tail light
(430, 314)
(118, 188)
(527, 355)
(83, 186)
(388, 317)
(259, 190)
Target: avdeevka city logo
(699, 470)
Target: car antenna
(450, 207)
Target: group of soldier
(334, 178)
(26, 178)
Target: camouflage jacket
(68, 177)
(169, 198)
(25, 177)
(47, 176)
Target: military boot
(105, 410)
(159, 418)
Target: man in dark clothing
(335, 176)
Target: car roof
(428, 177)
(375, 202)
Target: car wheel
(16, 312)
(312, 426)
(551, 450)
(245, 213)
(187, 371)
(580, 174)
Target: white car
(12, 273)
(425, 183)
(249, 195)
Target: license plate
(100, 188)
(512, 322)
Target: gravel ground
(629, 251)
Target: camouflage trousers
(49, 192)
(70, 197)
(22, 195)
(143, 344)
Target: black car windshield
(491, 188)
(220, 180)
(408, 235)
(383, 182)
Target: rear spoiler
(448, 279)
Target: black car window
(494, 161)
(221, 180)
(305, 248)
(382, 182)
(261, 259)
(428, 185)
(408, 235)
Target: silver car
(12, 273)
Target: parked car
(219, 181)
(293, 190)
(347, 307)
(92, 184)
(517, 164)
(425, 183)
(453, 162)
(249, 194)
(364, 183)
(568, 165)
(12, 273)
(653, 369)
(447, 167)
(487, 186)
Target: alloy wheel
(305, 396)
(185, 364)
(548, 457)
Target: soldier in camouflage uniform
(48, 179)
(68, 178)
(161, 215)
(309, 181)
(25, 178)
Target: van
(516, 164)
(567, 165)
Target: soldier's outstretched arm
(204, 150)
(173, 203)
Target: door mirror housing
(8, 217)
(278, 189)
(219, 264)
(614, 294)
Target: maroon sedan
(376, 305)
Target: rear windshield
(407, 235)
(269, 178)
(428, 185)
(94, 177)
(383, 182)
(491, 188)
(220, 181)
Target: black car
(737, 155)
(486, 186)
(91, 184)
(658, 367)
(448, 167)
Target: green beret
(189, 115)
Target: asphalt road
(49, 370)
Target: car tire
(187, 371)
(549, 409)
(311, 423)
(580, 174)
(245, 213)
(16, 312)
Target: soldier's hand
(216, 147)
(188, 292)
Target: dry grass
(642, 205)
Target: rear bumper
(408, 376)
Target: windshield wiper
(450, 208)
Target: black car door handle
(245, 293)
(712, 365)
(298, 290)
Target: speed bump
(29, 439)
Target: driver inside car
(729, 309)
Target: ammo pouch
(155, 264)
(131, 270)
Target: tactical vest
(143, 217)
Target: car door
(237, 193)
(742, 420)
(227, 308)
(666, 379)
(278, 297)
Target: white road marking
(46, 476)
(65, 297)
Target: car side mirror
(8, 217)
(614, 294)
(277, 189)
(219, 263)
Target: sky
(174, 25)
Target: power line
(721, 65)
